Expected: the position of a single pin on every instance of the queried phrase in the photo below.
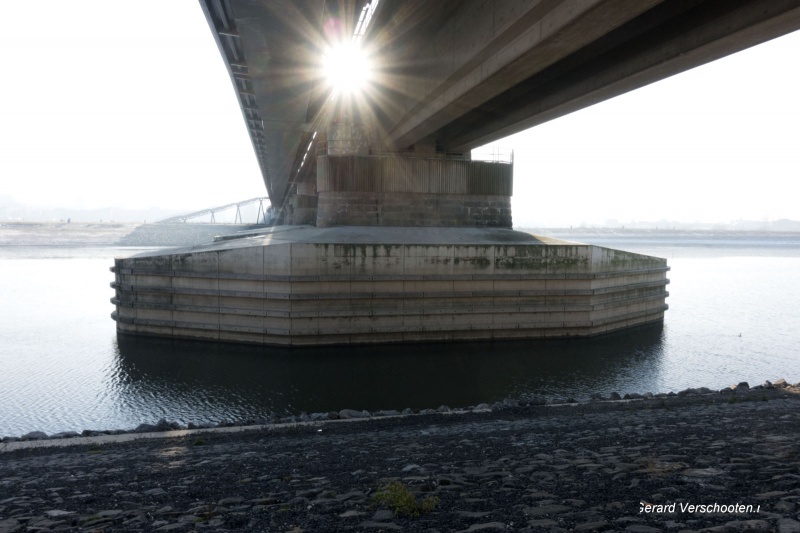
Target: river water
(733, 317)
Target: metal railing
(494, 154)
(263, 214)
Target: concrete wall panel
(520, 259)
(158, 314)
(471, 287)
(125, 312)
(157, 331)
(201, 320)
(242, 336)
(569, 259)
(204, 334)
(375, 287)
(476, 302)
(473, 260)
(320, 260)
(306, 326)
(277, 259)
(306, 287)
(241, 285)
(205, 262)
(150, 281)
(568, 284)
(242, 261)
(194, 300)
(380, 306)
(242, 321)
(428, 286)
(374, 338)
(204, 284)
(377, 259)
(153, 297)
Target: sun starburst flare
(347, 68)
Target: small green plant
(655, 467)
(199, 442)
(651, 466)
(400, 499)
(732, 399)
(206, 515)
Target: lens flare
(347, 68)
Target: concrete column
(412, 190)
(348, 139)
(304, 204)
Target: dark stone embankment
(586, 467)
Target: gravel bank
(588, 467)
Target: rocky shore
(715, 461)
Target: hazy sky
(717, 143)
(127, 104)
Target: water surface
(732, 317)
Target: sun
(346, 68)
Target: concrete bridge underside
(393, 233)
(454, 75)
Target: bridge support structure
(389, 247)
(418, 246)
(402, 190)
(300, 285)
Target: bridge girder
(459, 74)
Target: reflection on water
(198, 381)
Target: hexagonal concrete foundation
(302, 285)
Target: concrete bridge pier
(418, 246)
(411, 247)
(412, 190)
(302, 285)
(360, 185)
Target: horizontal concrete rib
(418, 277)
(284, 336)
(431, 306)
(340, 293)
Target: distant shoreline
(64, 233)
(657, 232)
(48, 233)
(133, 234)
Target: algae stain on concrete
(481, 263)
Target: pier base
(303, 285)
